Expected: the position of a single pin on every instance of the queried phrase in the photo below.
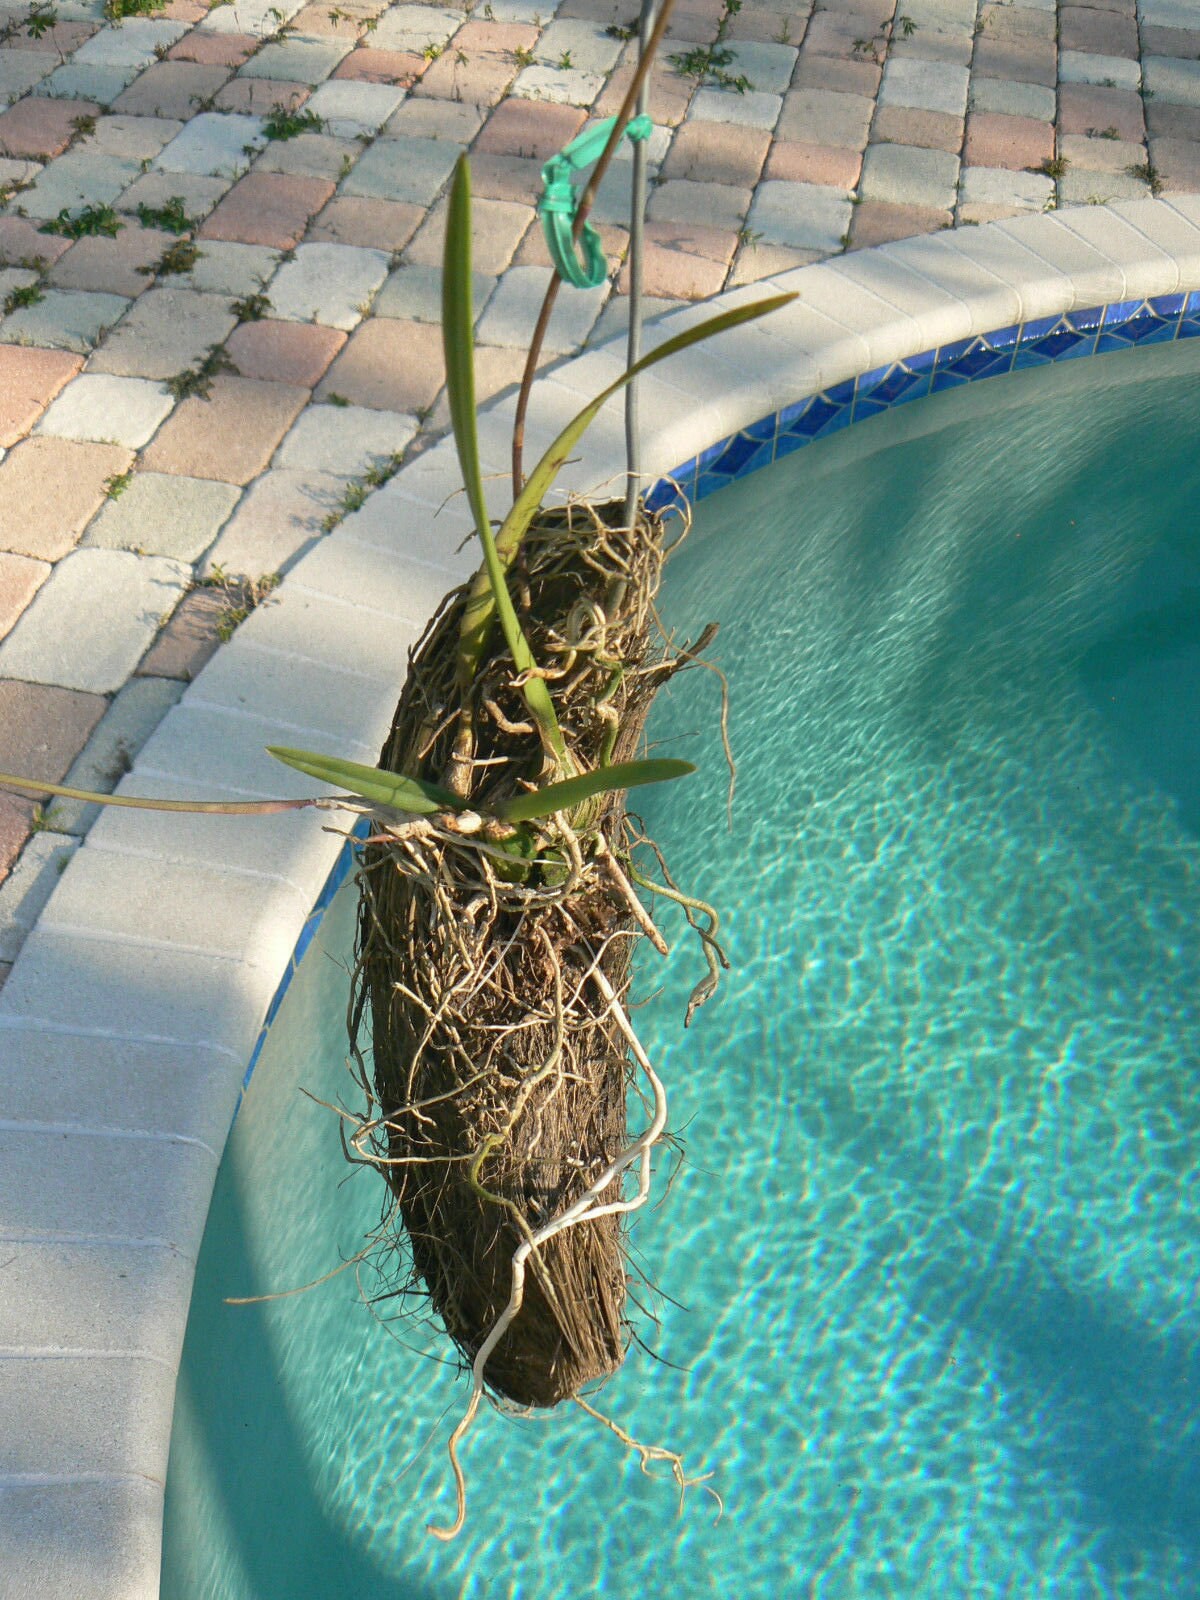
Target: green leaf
(369, 783)
(228, 808)
(574, 792)
(458, 342)
(480, 611)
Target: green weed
(182, 256)
(90, 221)
(196, 382)
(283, 123)
(27, 295)
(251, 308)
(114, 10)
(170, 218)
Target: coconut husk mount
(500, 1063)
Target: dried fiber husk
(499, 1076)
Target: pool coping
(143, 989)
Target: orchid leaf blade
(392, 789)
(572, 792)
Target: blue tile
(949, 353)
(736, 453)
(1189, 328)
(663, 494)
(971, 359)
(1085, 321)
(1121, 311)
(742, 457)
(890, 386)
(1037, 329)
(762, 456)
(811, 419)
(1192, 308)
(1167, 305)
(1004, 337)
(1060, 342)
(1146, 329)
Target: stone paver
(226, 267)
(49, 488)
(190, 638)
(498, 228)
(351, 107)
(278, 518)
(107, 410)
(132, 717)
(994, 140)
(91, 622)
(413, 170)
(171, 89)
(163, 514)
(212, 145)
(284, 352)
(754, 109)
(42, 729)
(388, 366)
(166, 332)
(531, 128)
(513, 309)
(41, 127)
(821, 116)
(270, 209)
(29, 380)
(230, 435)
(344, 439)
(332, 284)
(20, 579)
(905, 175)
(124, 265)
(370, 224)
(800, 215)
(76, 180)
(308, 61)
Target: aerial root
(650, 1453)
(587, 1207)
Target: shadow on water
(1099, 1397)
(1111, 1400)
(273, 1521)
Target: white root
(584, 1209)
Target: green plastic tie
(560, 201)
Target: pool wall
(135, 1006)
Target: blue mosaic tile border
(338, 874)
(1095, 331)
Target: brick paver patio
(230, 328)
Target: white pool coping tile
(153, 965)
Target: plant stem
(637, 218)
(581, 215)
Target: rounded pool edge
(136, 1003)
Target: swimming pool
(928, 1267)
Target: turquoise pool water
(929, 1308)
